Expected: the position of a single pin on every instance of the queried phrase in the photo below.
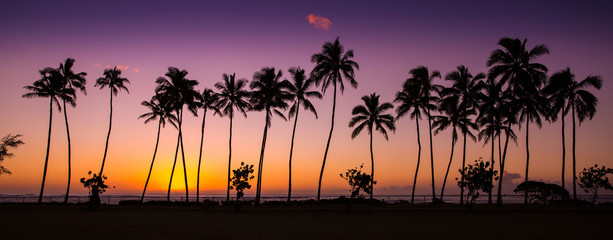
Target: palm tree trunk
(418, 160)
(258, 193)
(574, 157)
(229, 156)
(69, 153)
(174, 163)
(463, 165)
(42, 185)
(183, 157)
(108, 135)
(291, 151)
(502, 162)
(563, 150)
(200, 157)
(431, 154)
(372, 169)
(323, 165)
(489, 194)
(448, 165)
(157, 141)
(527, 155)
(499, 160)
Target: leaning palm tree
(572, 96)
(332, 64)
(49, 86)
(159, 109)
(181, 91)
(299, 89)
(208, 100)
(73, 81)
(372, 114)
(269, 93)
(115, 83)
(232, 96)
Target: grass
(329, 221)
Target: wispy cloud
(319, 22)
(120, 67)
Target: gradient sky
(209, 39)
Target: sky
(209, 39)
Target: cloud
(319, 22)
(509, 177)
(136, 70)
(120, 67)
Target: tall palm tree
(49, 86)
(113, 80)
(232, 96)
(208, 101)
(159, 109)
(467, 88)
(332, 65)
(74, 81)
(299, 89)
(515, 64)
(181, 92)
(572, 96)
(372, 114)
(269, 93)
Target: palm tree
(467, 88)
(332, 64)
(208, 101)
(181, 92)
(299, 90)
(49, 86)
(570, 95)
(268, 93)
(372, 114)
(73, 81)
(159, 108)
(232, 96)
(115, 83)
(514, 63)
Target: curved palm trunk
(229, 158)
(291, 151)
(499, 160)
(200, 158)
(502, 162)
(489, 194)
(372, 169)
(42, 185)
(323, 165)
(463, 165)
(574, 158)
(174, 163)
(183, 157)
(108, 135)
(258, 193)
(563, 150)
(69, 153)
(431, 154)
(527, 155)
(448, 166)
(418, 160)
(157, 141)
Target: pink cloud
(319, 22)
(136, 70)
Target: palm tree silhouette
(467, 88)
(372, 114)
(208, 100)
(268, 93)
(514, 63)
(74, 81)
(159, 107)
(232, 96)
(299, 90)
(181, 92)
(52, 87)
(332, 64)
(115, 83)
(570, 95)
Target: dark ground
(18, 221)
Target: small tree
(7, 142)
(358, 181)
(542, 192)
(240, 181)
(593, 179)
(96, 186)
(477, 177)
